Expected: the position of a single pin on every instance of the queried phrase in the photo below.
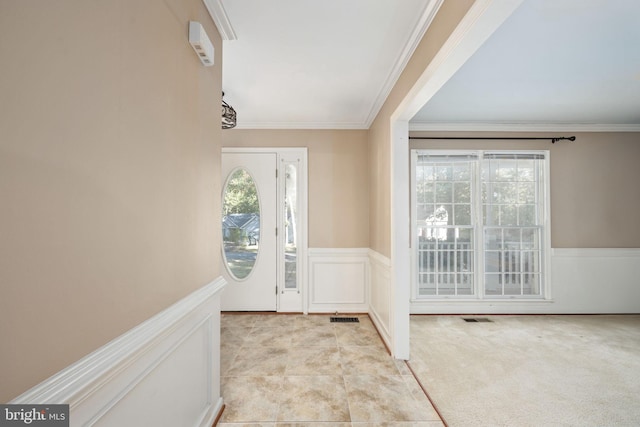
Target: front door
(249, 231)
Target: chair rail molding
(174, 355)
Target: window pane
(425, 210)
(492, 262)
(290, 228)
(510, 262)
(493, 284)
(436, 233)
(491, 215)
(511, 202)
(505, 170)
(429, 171)
(425, 192)
(426, 257)
(526, 192)
(462, 192)
(530, 261)
(531, 284)
(464, 261)
(445, 259)
(526, 170)
(527, 215)
(466, 235)
(462, 214)
(426, 284)
(530, 238)
(444, 172)
(505, 192)
(444, 192)
(511, 238)
(465, 284)
(508, 215)
(462, 171)
(240, 224)
(512, 285)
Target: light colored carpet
(530, 370)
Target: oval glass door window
(240, 224)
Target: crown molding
(221, 19)
(426, 18)
(523, 127)
(303, 125)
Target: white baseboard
(338, 280)
(163, 372)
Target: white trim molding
(426, 18)
(521, 127)
(221, 19)
(380, 290)
(175, 356)
(303, 125)
(338, 280)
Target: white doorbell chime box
(201, 43)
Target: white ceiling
(317, 63)
(553, 64)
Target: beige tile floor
(297, 371)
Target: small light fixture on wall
(228, 115)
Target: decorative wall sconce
(228, 115)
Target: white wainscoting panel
(596, 280)
(583, 280)
(163, 372)
(380, 306)
(338, 280)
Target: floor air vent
(476, 319)
(344, 319)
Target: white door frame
(289, 300)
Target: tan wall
(446, 20)
(595, 198)
(109, 174)
(338, 180)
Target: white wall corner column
(400, 240)
(482, 19)
(163, 372)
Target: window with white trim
(480, 223)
